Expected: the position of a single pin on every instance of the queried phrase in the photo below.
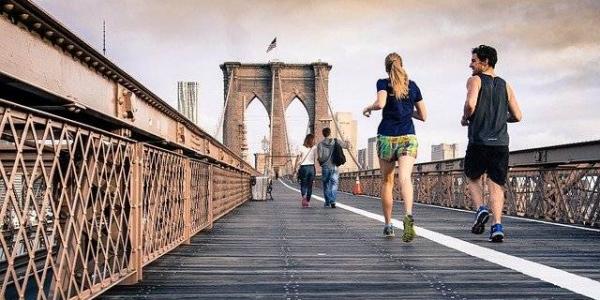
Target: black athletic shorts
(492, 160)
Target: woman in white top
(306, 171)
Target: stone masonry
(275, 85)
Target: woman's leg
(387, 199)
(405, 167)
(309, 181)
(303, 185)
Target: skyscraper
(187, 99)
(362, 158)
(444, 151)
(372, 158)
(347, 126)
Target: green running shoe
(409, 229)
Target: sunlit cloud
(549, 51)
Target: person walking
(490, 105)
(401, 101)
(329, 171)
(306, 168)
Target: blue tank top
(397, 113)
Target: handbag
(300, 164)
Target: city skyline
(549, 53)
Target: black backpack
(337, 156)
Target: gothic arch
(276, 85)
(259, 99)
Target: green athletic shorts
(390, 148)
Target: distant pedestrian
(306, 168)
(329, 171)
(401, 101)
(490, 104)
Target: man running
(490, 105)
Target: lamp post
(265, 147)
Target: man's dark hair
(484, 52)
(326, 132)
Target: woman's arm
(377, 105)
(420, 112)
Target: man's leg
(475, 187)
(475, 166)
(325, 179)
(335, 177)
(497, 200)
(497, 173)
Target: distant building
(444, 151)
(187, 99)
(372, 158)
(362, 157)
(348, 131)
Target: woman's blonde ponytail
(397, 74)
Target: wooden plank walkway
(276, 250)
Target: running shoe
(388, 231)
(409, 229)
(496, 233)
(481, 217)
(305, 202)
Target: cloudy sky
(548, 50)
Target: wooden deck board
(276, 250)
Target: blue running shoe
(497, 233)
(481, 217)
(388, 231)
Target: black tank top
(487, 125)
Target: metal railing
(83, 209)
(565, 192)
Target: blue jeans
(330, 178)
(306, 175)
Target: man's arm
(345, 144)
(513, 106)
(318, 153)
(473, 86)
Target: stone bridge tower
(275, 85)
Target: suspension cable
(337, 127)
(220, 123)
(287, 141)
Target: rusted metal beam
(574, 153)
(38, 53)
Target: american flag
(272, 45)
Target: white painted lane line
(505, 216)
(575, 283)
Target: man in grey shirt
(329, 171)
(490, 104)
